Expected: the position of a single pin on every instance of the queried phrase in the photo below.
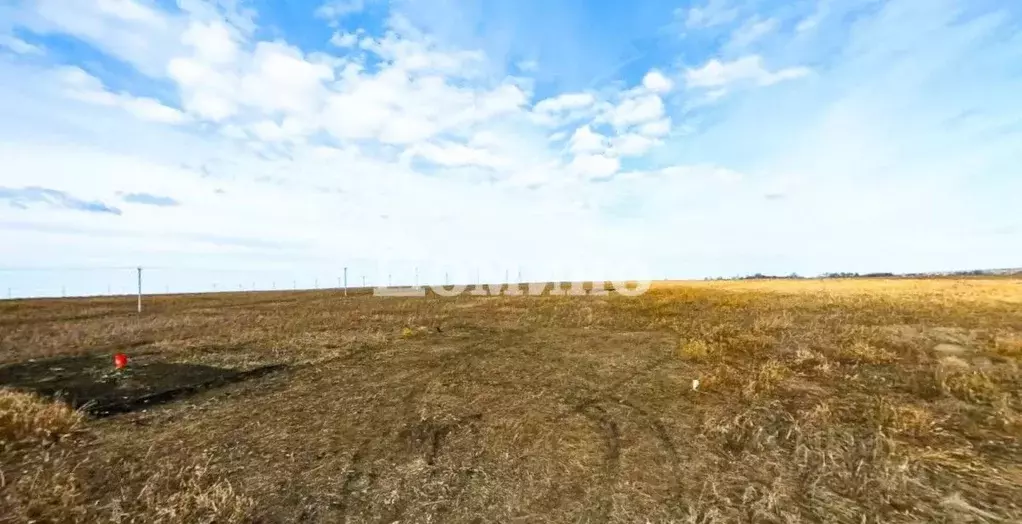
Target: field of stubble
(817, 401)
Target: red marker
(120, 360)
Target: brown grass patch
(694, 350)
(1008, 346)
(818, 402)
(27, 419)
(973, 386)
(865, 353)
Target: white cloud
(334, 9)
(291, 129)
(130, 30)
(19, 46)
(632, 145)
(564, 109)
(565, 102)
(656, 82)
(80, 85)
(449, 154)
(212, 42)
(594, 166)
(206, 91)
(585, 140)
(751, 31)
(656, 128)
(397, 107)
(129, 10)
(710, 14)
(281, 80)
(716, 74)
(636, 110)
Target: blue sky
(270, 144)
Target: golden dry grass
(26, 419)
(833, 401)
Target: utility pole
(345, 281)
(416, 277)
(139, 290)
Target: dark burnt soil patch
(92, 383)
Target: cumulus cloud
(656, 82)
(632, 145)
(636, 110)
(585, 140)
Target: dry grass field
(817, 401)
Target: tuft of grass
(865, 353)
(1008, 346)
(907, 419)
(29, 419)
(694, 349)
(971, 385)
(770, 375)
(60, 489)
(191, 494)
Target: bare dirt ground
(837, 401)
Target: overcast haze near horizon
(262, 143)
